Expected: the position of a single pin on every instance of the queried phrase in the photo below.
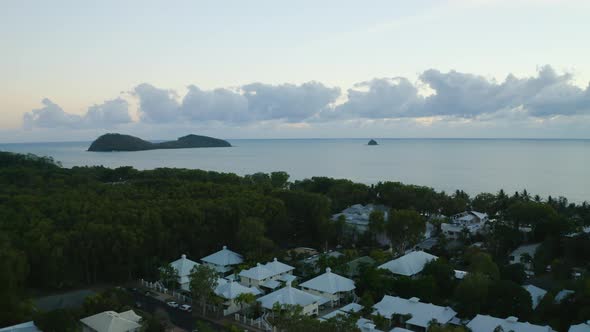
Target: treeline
(63, 228)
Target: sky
(72, 70)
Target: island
(119, 142)
(372, 142)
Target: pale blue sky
(79, 54)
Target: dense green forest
(63, 228)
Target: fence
(157, 286)
(259, 322)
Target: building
(562, 295)
(472, 222)
(331, 286)
(184, 267)
(366, 325)
(23, 327)
(485, 323)
(110, 321)
(582, 327)
(348, 309)
(409, 264)
(267, 276)
(537, 294)
(229, 291)
(291, 296)
(421, 313)
(524, 255)
(357, 216)
(223, 261)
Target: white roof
(409, 264)
(263, 271)
(563, 294)
(480, 215)
(333, 314)
(484, 323)
(422, 313)
(399, 329)
(110, 321)
(24, 327)
(224, 257)
(272, 284)
(352, 307)
(288, 296)
(183, 266)
(460, 274)
(330, 283)
(366, 325)
(525, 249)
(583, 327)
(537, 294)
(288, 277)
(231, 290)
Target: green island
(64, 229)
(119, 142)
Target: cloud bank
(434, 96)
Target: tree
(443, 274)
(245, 299)
(483, 263)
(254, 243)
(508, 299)
(59, 320)
(13, 271)
(203, 280)
(169, 276)
(471, 294)
(513, 272)
(279, 180)
(376, 223)
(404, 228)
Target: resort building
(582, 327)
(268, 276)
(23, 327)
(291, 296)
(421, 314)
(229, 291)
(471, 222)
(366, 325)
(223, 261)
(485, 323)
(331, 286)
(537, 294)
(183, 267)
(409, 264)
(357, 217)
(524, 255)
(110, 321)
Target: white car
(186, 307)
(172, 304)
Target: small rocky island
(120, 142)
(372, 142)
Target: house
(484, 323)
(267, 275)
(23, 327)
(348, 309)
(366, 325)
(331, 286)
(110, 321)
(582, 327)
(223, 260)
(229, 291)
(409, 264)
(421, 313)
(471, 221)
(183, 267)
(562, 295)
(537, 294)
(291, 296)
(357, 216)
(524, 255)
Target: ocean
(541, 166)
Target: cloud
(106, 115)
(156, 105)
(217, 105)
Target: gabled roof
(352, 307)
(288, 296)
(366, 325)
(480, 215)
(278, 267)
(24, 327)
(224, 257)
(422, 313)
(537, 294)
(485, 323)
(409, 264)
(330, 283)
(582, 327)
(258, 272)
(231, 290)
(110, 321)
(183, 266)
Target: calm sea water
(544, 167)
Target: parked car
(186, 307)
(172, 304)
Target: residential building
(357, 216)
(184, 267)
(23, 327)
(331, 286)
(421, 313)
(366, 325)
(409, 264)
(223, 261)
(267, 276)
(485, 323)
(291, 296)
(229, 291)
(582, 327)
(348, 309)
(562, 295)
(524, 255)
(472, 222)
(537, 294)
(110, 321)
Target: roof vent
(183, 256)
(414, 300)
(512, 319)
(258, 264)
(275, 259)
(224, 247)
(328, 270)
(288, 283)
(370, 326)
